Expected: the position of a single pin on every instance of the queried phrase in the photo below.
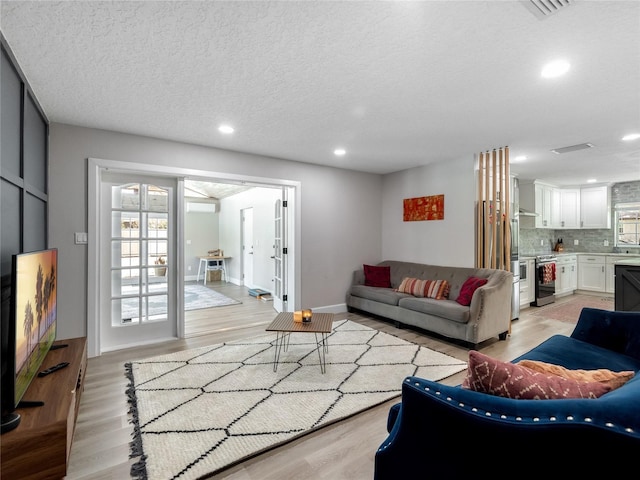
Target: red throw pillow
(377, 276)
(470, 285)
(505, 379)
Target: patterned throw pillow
(377, 276)
(437, 289)
(602, 375)
(470, 285)
(504, 379)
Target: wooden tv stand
(39, 447)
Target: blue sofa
(447, 430)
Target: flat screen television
(29, 329)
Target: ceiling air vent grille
(572, 148)
(544, 8)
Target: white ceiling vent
(544, 8)
(201, 207)
(572, 148)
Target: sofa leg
(397, 325)
(503, 336)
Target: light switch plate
(576, 242)
(80, 238)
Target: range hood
(523, 212)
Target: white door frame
(96, 166)
(246, 257)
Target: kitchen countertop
(531, 256)
(629, 261)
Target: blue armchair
(448, 430)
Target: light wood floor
(344, 450)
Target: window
(627, 216)
(139, 246)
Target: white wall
(439, 242)
(340, 210)
(262, 201)
(201, 235)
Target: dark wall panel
(24, 138)
(35, 146)
(35, 224)
(10, 228)
(24, 154)
(10, 99)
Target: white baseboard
(339, 308)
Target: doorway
(244, 230)
(98, 285)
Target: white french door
(246, 222)
(279, 255)
(137, 260)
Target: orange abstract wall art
(424, 208)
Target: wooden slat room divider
(493, 226)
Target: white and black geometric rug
(197, 412)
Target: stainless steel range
(545, 280)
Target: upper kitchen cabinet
(569, 203)
(538, 197)
(595, 210)
(565, 208)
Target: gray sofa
(488, 315)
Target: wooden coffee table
(284, 326)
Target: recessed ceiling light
(592, 180)
(339, 152)
(226, 129)
(520, 158)
(631, 136)
(555, 69)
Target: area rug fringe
(138, 469)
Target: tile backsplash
(590, 241)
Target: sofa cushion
(382, 295)
(377, 276)
(448, 309)
(602, 375)
(468, 288)
(437, 289)
(489, 375)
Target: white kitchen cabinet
(527, 282)
(566, 274)
(569, 208)
(610, 271)
(538, 197)
(595, 207)
(545, 197)
(591, 273)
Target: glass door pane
(139, 254)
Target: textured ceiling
(206, 189)
(397, 84)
